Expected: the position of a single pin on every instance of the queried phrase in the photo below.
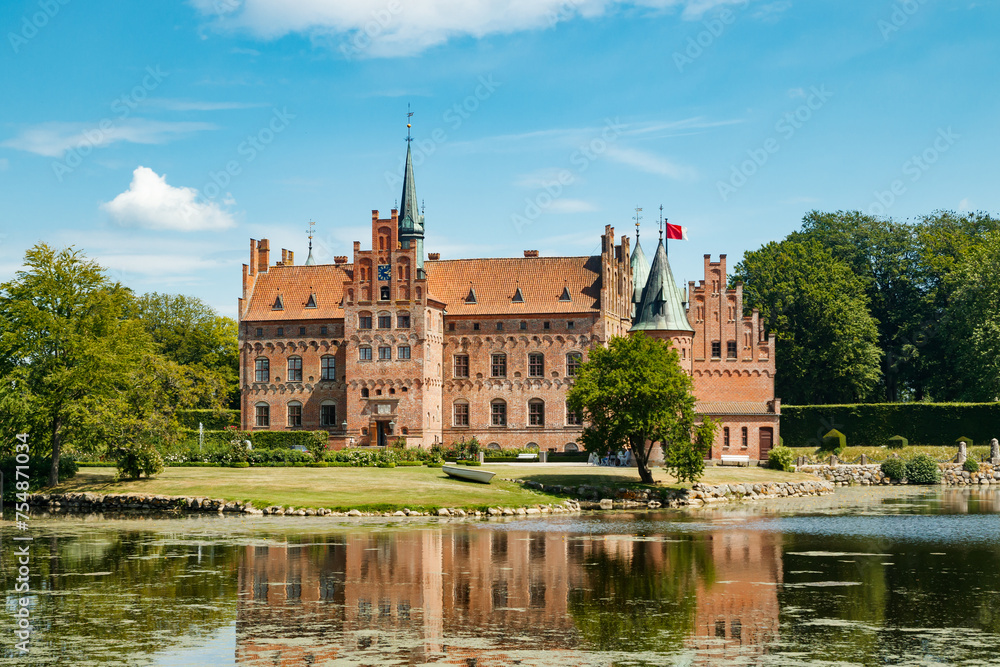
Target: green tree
(827, 341)
(634, 392)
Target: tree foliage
(634, 392)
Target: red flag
(677, 232)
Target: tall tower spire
(411, 221)
(309, 260)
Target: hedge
(873, 424)
(211, 420)
(261, 439)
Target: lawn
(418, 488)
(879, 454)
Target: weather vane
(661, 222)
(310, 230)
(409, 115)
(637, 219)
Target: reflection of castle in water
(459, 596)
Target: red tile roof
(495, 281)
(731, 408)
(295, 284)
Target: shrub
(239, 464)
(434, 464)
(894, 469)
(781, 458)
(834, 442)
(398, 443)
(469, 462)
(967, 441)
(922, 469)
(385, 464)
(970, 465)
(135, 458)
(409, 463)
(897, 442)
(38, 473)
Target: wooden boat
(469, 474)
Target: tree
(827, 341)
(634, 392)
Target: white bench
(735, 459)
(527, 456)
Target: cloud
(4, 164)
(376, 28)
(964, 205)
(194, 105)
(570, 206)
(650, 163)
(54, 139)
(151, 203)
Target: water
(867, 577)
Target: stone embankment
(952, 474)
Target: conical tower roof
(662, 306)
(409, 211)
(640, 274)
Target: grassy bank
(879, 454)
(384, 488)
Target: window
(383, 293)
(262, 370)
(295, 414)
(364, 392)
(716, 349)
(573, 361)
(403, 352)
(384, 353)
(328, 414)
(280, 331)
(365, 353)
(295, 369)
(731, 349)
(744, 445)
(536, 413)
(573, 418)
(263, 414)
(451, 326)
(498, 413)
(403, 321)
(524, 325)
(545, 325)
(302, 331)
(364, 321)
(498, 365)
(461, 414)
(536, 365)
(475, 326)
(328, 368)
(569, 324)
(322, 330)
(461, 365)
(260, 332)
(725, 437)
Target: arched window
(573, 417)
(365, 270)
(461, 413)
(262, 414)
(498, 412)
(364, 319)
(384, 321)
(294, 414)
(383, 293)
(532, 445)
(328, 413)
(571, 447)
(536, 365)
(365, 353)
(536, 412)
(328, 367)
(498, 365)
(262, 369)
(573, 361)
(403, 321)
(494, 446)
(295, 369)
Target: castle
(435, 350)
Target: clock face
(384, 272)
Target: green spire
(640, 274)
(409, 212)
(661, 308)
(309, 260)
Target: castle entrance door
(766, 441)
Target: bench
(735, 459)
(527, 457)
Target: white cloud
(4, 164)
(377, 28)
(964, 205)
(650, 163)
(151, 203)
(195, 105)
(54, 139)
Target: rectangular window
(498, 413)
(716, 349)
(365, 353)
(451, 326)
(260, 332)
(475, 326)
(263, 414)
(461, 414)
(262, 370)
(461, 365)
(573, 361)
(302, 331)
(328, 415)
(403, 321)
(295, 369)
(498, 365)
(569, 325)
(280, 331)
(295, 415)
(744, 437)
(364, 321)
(725, 437)
(536, 365)
(545, 325)
(322, 331)
(384, 353)
(573, 418)
(403, 352)
(328, 368)
(731, 349)
(385, 321)
(536, 413)
(524, 325)
(499, 326)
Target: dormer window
(471, 297)
(278, 304)
(518, 296)
(311, 303)
(565, 295)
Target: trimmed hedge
(873, 424)
(212, 420)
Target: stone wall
(952, 474)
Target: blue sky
(160, 136)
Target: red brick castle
(390, 345)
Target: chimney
(263, 255)
(253, 258)
(531, 253)
(433, 256)
(340, 259)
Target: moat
(898, 576)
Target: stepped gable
(295, 284)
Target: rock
(354, 513)
(398, 513)
(508, 511)
(607, 503)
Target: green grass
(879, 454)
(627, 477)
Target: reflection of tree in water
(110, 596)
(641, 596)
